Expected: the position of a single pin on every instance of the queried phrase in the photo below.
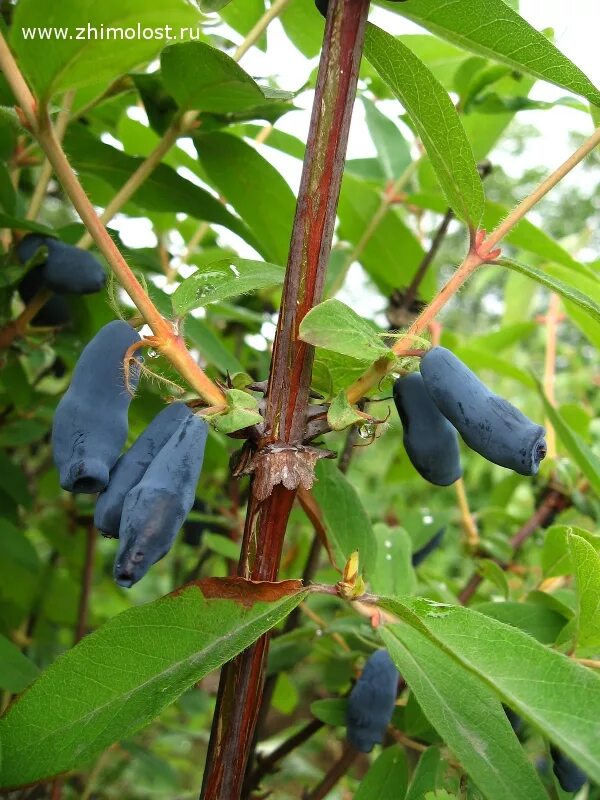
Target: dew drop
(366, 431)
(153, 353)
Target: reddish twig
(337, 771)
(86, 583)
(18, 326)
(286, 399)
(413, 287)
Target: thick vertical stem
(242, 680)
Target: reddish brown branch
(337, 771)
(413, 288)
(286, 400)
(18, 326)
(86, 583)
(312, 564)
(266, 764)
(553, 502)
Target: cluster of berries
(446, 398)
(146, 493)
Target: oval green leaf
(121, 676)
(222, 279)
(435, 119)
(78, 43)
(334, 326)
(493, 29)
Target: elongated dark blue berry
(67, 269)
(430, 441)
(568, 774)
(90, 422)
(489, 424)
(371, 702)
(516, 721)
(156, 508)
(53, 313)
(131, 466)
(420, 555)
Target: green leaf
(219, 280)
(494, 573)
(333, 372)
(567, 291)
(335, 326)
(556, 555)
(303, 25)
(341, 414)
(424, 778)
(492, 29)
(331, 711)
(242, 17)
(279, 140)
(238, 171)
(8, 196)
(221, 544)
(504, 337)
(211, 346)
(18, 223)
(16, 670)
(585, 458)
(387, 777)
(466, 713)
(538, 683)
(15, 545)
(393, 573)
(544, 624)
(435, 119)
(81, 57)
(346, 521)
(124, 674)
(203, 78)
(587, 575)
(163, 190)
(242, 411)
(209, 6)
(392, 148)
(14, 481)
(393, 252)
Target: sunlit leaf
(222, 279)
(435, 119)
(335, 326)
(99, 41)
(492, 29)
(121, 676)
